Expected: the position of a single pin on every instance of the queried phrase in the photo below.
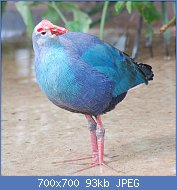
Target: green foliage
(25, 11)
(80, 23)
(103, 18)
(51, 15)
(129, 7)
(56, 8)
(3, 6)
(119, 6)
(146, 9)
(67, 6)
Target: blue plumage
(80, 73)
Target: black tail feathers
(147, 71)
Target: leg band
(91, 125)
(100, 133)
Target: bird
(80, 73)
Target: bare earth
(140, 132)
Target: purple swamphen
(82, 74)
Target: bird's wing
(103, 57)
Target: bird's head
(45, 30)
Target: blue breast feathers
(71, 83)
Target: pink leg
(97, 142)
(92, 127)
(100, 139)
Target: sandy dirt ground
(140, 132)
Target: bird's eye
(43, 33)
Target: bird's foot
(93, 162)
(94, 158)
(94, 165)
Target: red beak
(56, 30)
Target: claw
(80, 170)
(94, 165)
(73, 160)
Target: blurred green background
(86, 16)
